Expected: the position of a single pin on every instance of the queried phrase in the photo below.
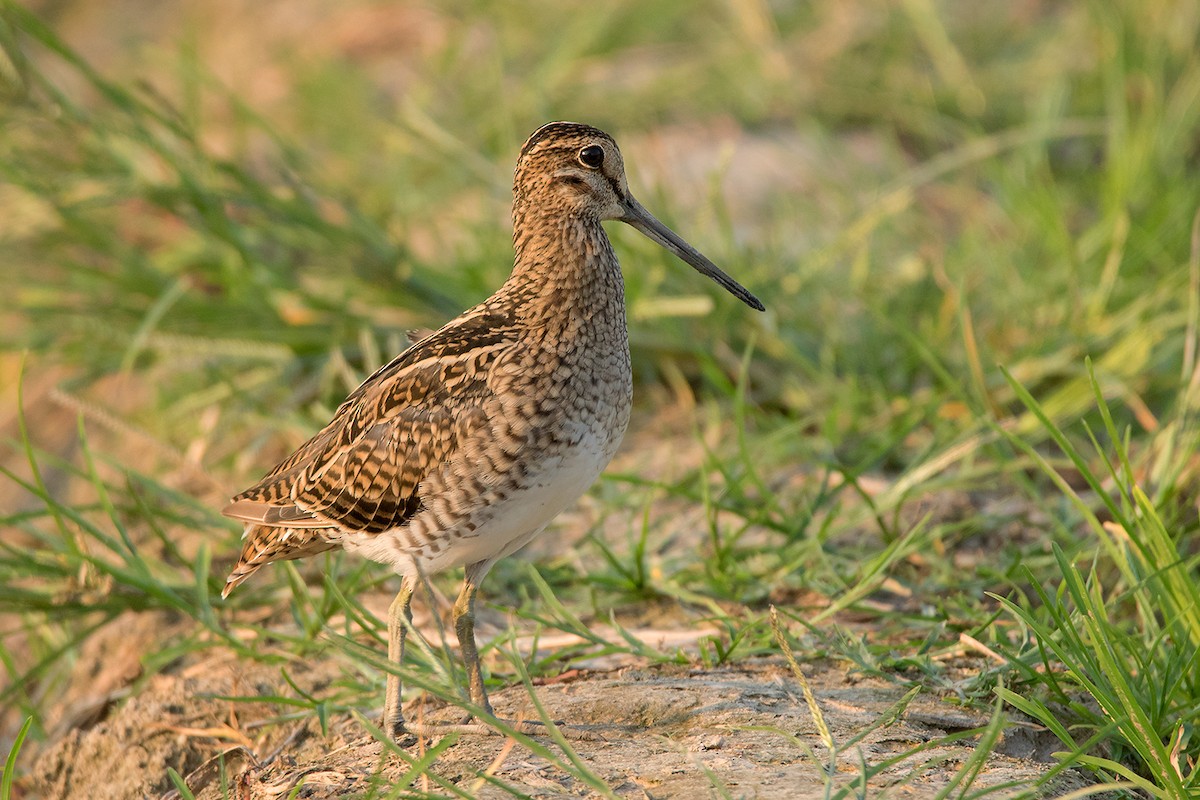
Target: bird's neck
(565, 268)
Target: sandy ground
(646, 731)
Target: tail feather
(265, 544)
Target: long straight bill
(637, 216)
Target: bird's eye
(592, 156)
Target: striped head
(574, 170)
(575, 167)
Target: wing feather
(362, 473)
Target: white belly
(499, 526)
(508, 525)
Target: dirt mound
(660, 731)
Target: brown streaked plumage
(463, 448)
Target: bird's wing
(355, 475)
(363, 471)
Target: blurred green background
(922, 191)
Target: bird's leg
(464, 627)
(399, 618)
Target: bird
(464, 447)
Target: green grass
(971, 409)
(10, 763)
(1142, 681)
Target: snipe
(465, 446)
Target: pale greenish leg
(399, 619)
(464, 627)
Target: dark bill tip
(637, 216)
